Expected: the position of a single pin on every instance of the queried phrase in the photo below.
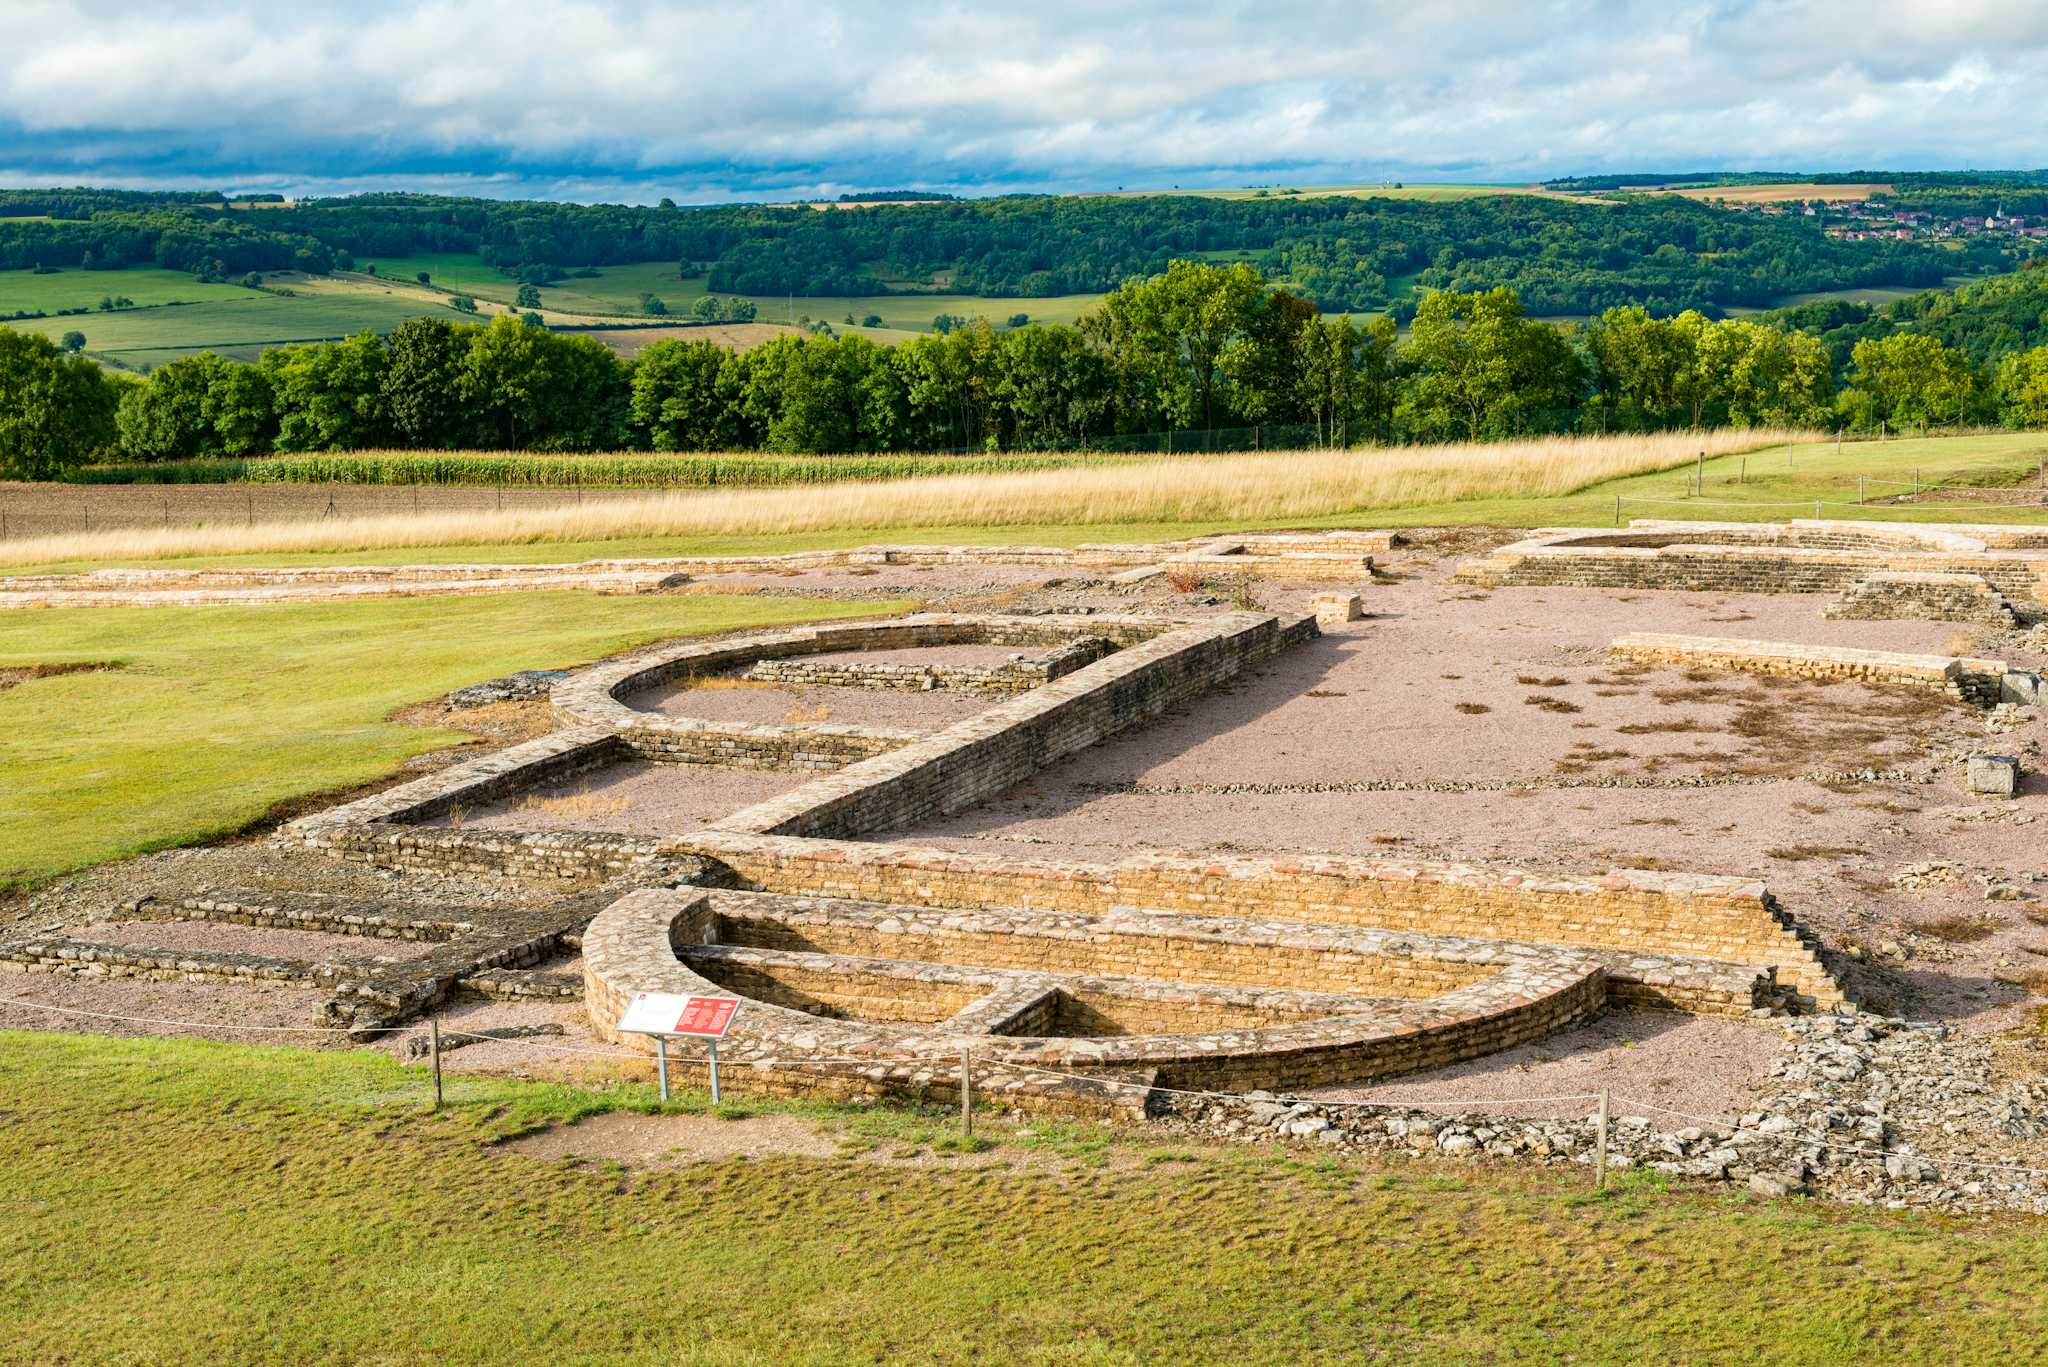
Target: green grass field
(25, 291)
(210, 716)
(173, 1202)
(617, 290)
(241, 328)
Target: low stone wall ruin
(1924, 597)
(1973, 680)
(1797, 557)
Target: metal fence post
(1600, 1146)
(434, 1044)
(966, 1092)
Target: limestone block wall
(1011, 677)
(1961, 676)
(1797, 557)
(1730, 920)
(1217, 951)
(598, 696)
(977, 758)
(1924, 597)
(631, 947)
(744, 745)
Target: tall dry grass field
(1239, 488)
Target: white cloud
(635, 99)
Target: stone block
(2021, 686)
(1334, 609)
(1994, 775)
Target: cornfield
(525, 469)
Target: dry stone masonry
(1925, 596)
(1977, 681)
(870, 965)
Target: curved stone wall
(1517, 993)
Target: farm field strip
(26, 291)
(262, 320)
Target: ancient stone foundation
(869, 967)
(1737, 557)
(1973, 680)
(1924, 596)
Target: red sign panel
(666, 1013)
(707, 1016)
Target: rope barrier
(1861, 1151)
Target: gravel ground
(746, 701)
(636, 798)
(1697, 1064)
(247, 1013)
(238, 939)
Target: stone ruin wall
(1553, 951)
(1727, 920)
(1924, 597)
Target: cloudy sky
(758, 98)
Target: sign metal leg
(661, 1062)
(714, 1072)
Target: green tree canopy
(56, 411)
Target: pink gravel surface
(226, 937)
(635, 798)
(248, 1013)
(978, 656)
(1696, 1066)
(746, 701)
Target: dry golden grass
(579, 806)
(1240, 489)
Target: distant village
(1862, 220)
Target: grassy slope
(1777, 483)
(215, 714)
(187, 1202)
(77, 289)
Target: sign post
(665, 1015)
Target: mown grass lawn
(211, 716)
(181, 1202)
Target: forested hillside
(1987, 320)
(1342, 253)
(1199, 347)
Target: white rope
(1477, 1103)
(190, 1025)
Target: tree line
(1341, 252)
(1199, 346)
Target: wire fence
(1603, 1118)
